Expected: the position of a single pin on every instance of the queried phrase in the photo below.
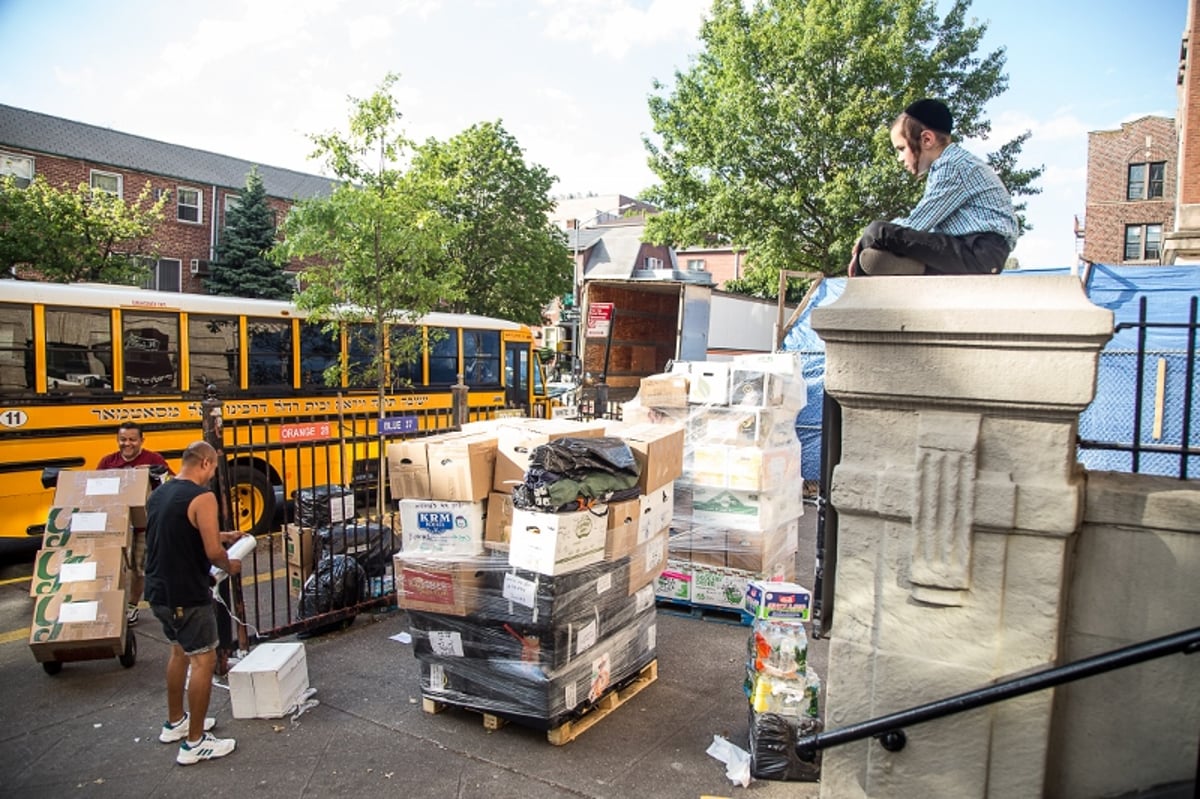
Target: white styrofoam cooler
(268, 682)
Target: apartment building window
(695, 264)
(166, 274)
(1143, 242)
(19, 166)
(1146, 181)
(107, 182)
(188, 203)
(653, 263)
(231, 201)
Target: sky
(569, 79)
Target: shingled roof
(42, 133)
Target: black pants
(973, 254)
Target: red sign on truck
(599, 319)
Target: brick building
(1131, 188)
(202, 185)
(1183, 243)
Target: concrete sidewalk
(91, 731)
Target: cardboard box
(461, 467)
(743, 427)
(658, 450)
(745, 468)
(755, 388)
(719, 586)
(555, 543)
(297, 576)
(298, 545)
(647, 562)
(102, 525)
(432, 527)
(664, 391)
(269, 682)
(766, 599)
(408, 469)
(498, 526)
(623, 521)
(84, 568)
(675, 581)
(703, 545)
(744, 510)
(449, 586)
(756, 551)
(709, 383)
(517, 440)
(655, 511)
(104, 489)
(75, 626)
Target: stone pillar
(958, 494)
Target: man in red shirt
(131, 454)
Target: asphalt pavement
(91, 730)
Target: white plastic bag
(736, 760)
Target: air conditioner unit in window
(200, 268)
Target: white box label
(586, 638)
(519, 590)
(341, 508)
(604, 584)
(437, 678)
(76, 572)
(569, 697)
(78, 611)
(446, 643)
(89, 521)
(103, 486)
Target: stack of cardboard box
(740, 495)
(521, 613)
(80, 576)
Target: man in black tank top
(183, 540)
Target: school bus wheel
(252, 500)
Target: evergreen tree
(242, 268)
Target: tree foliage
(776, 138)
(513, 261)
(67, 235)
(242, 267)
(376, 245)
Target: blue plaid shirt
(963, 195)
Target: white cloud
(614, 28)
(1061, 126)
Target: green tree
(242, 268)
(376, 247)
(77, 235)
(513, 261)
(776, 137)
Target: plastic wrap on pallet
(518, 596)
(533, 695)
(713, 566)
(321, 506)
(773, 753)
(549, 645)
(778, 679)
(370, 543)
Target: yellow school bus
(76, 361)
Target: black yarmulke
(933, 114)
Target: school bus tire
(252, 500)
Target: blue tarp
(1168, 292)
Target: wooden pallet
(568, 730)
(706, 612)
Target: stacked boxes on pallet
(522, 613)
(740, 495)
(80, 576)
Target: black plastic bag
(578, 457)
(312, 504)
(571, 473)
(337, 582)
(370, 543)
(773, 753)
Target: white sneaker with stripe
(207, 748)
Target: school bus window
(78, 351)
(319, 350)
(443, 356)
(360, 355)
(151, 357)
(270, 361)
(481, 357)
(405, 347)
(16, 347)
(213, 351)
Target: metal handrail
(889, 729)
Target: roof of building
(42, 133)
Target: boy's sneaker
(178, 732)
(207, 748)
(131, 614)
